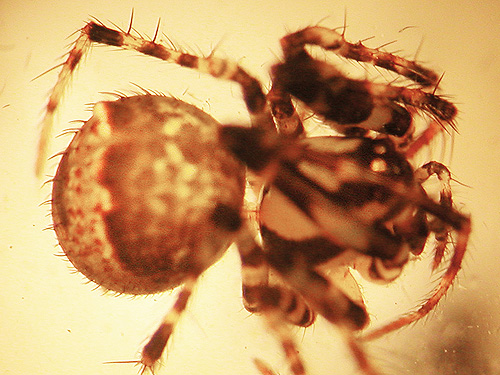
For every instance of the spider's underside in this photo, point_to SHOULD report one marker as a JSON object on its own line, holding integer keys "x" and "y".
{"x": 149, "y": 193}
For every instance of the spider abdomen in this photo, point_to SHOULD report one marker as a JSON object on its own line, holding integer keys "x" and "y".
{"x": 136, "y": 192}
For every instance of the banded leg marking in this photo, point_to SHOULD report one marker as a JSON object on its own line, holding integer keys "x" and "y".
{"x": 153, "y": 350}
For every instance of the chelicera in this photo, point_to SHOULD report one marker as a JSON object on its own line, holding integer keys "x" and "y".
{"x": 149, "y": 193}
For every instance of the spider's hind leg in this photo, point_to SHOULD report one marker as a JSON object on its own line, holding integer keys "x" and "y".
{"x": 153, "y": 350}
{"x": 94, "y": 32}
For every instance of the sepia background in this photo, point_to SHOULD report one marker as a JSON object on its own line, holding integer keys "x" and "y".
{"x": 52, "y": 322}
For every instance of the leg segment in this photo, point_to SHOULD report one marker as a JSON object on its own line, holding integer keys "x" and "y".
{"x": 153, "y": 350}
{"x": 284, "y": 113}
{"x": 331, "y": 40}
{"x": 329, "y": 301}
{"x": 326, "y": 298}
{"x": 255, "y": 275}
{"x": 267, "y": 300}
{"x": 80, "y": 49}
{"x": 437, "y": 226}
{"x": 216, "y": 67}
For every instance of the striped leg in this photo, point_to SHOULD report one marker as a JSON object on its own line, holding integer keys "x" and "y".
{"x": 258, "y": 295}
{"x": 335, "y": 42}
{"x": 254, "y": 273}
{"x": 94, "y": 32}
{"x": 356, "y": 103}
{"x": 267, "y": 300}
{"x": 153, "y": 350}
{"x": 333, "y": 304}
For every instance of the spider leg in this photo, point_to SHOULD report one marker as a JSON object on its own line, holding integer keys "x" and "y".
{"x": 286, "y": 117}
{"x": 438, "y": 226}
{"x": 93, "y": 32}
{"x": 211, "y": 65}
{"x": 328, "y": 300}
{"x": 153, "y": 350}
{"x": 441, "y": 226}
{"x": 269, "y": 301}
{"x": 331, "y": 40}
{"x": 254, "y": 273}
{"x": 79, "y": 50}
{"x": 356, "y": 103}
{"x": 255, "y": 277}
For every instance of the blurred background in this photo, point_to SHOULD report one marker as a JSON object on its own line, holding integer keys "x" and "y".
{"x": 53, "y": 322}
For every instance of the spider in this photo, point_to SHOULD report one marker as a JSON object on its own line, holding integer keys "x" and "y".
{"x": 149, "y": 193}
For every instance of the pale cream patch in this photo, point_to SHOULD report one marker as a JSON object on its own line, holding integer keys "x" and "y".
{"x": 321, "y": 175}
{"x": 281, "y": 216}
{"x": 378, "y": 165}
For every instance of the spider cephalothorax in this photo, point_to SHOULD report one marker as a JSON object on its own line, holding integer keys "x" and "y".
{"x": 149, "y": 193}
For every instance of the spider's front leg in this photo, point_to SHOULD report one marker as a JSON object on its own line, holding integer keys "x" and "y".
{"x": 349, "y": 103}
{"x": 441, "y": 226}
{"x": 331, "y": 40}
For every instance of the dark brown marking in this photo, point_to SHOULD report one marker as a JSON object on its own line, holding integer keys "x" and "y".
{"x": 74, "y": 58}
{"x": 154, "y": 348}
{"x": 101, "y": 34}
{"x": 255, "y": 99}
{"x": 226, "y": 217}
{"x": 189, "y": 61}
{"x": 155, "y": 50}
